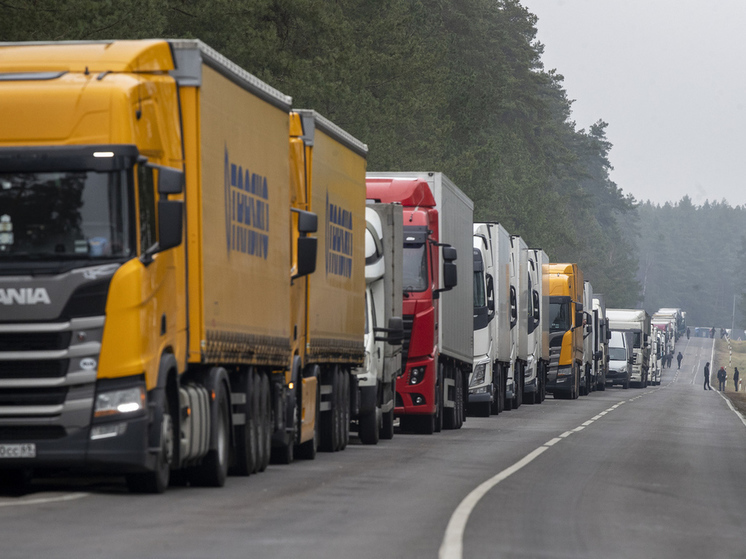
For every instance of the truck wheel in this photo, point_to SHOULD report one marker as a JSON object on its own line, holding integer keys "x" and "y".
{"x": 494, "y": 406}
{"x": 307, "y": 450}
{"x": 368, "y": 429}
{"x": 330, "y": 420}
{"x": 345, "y": 411}
{"x": 424, "y": 424}
{"x": 517, "y": 392}
{"x": 214, "y": 467}
{"x": 439, "y": 395}
{"x": 387, "y": 421}
{"x": 157, "y": 480}
{"x": 245, "y": 453}
{"x": 264, "y": 423}
{"x": 626, "y": 384}
{"x": 459, "y": 401}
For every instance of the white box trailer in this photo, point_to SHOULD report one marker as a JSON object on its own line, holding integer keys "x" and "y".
{"x": 492, "y": 338}
{"x": 537, "y": 363}
{"x": 601, "y": 336}
{"x": 519, "y": 320}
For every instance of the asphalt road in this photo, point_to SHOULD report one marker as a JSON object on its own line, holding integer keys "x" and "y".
{"x": 656, "y": 472}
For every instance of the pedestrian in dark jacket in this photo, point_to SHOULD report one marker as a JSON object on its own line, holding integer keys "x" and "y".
{"x": 722, "y": 375}
{"x": 679, "y": 357}
{"x": 707, "y": 377}
{"x": 670, "y": 359}
{"x": 735, "y": 379}
{"x": 688, "y": 332}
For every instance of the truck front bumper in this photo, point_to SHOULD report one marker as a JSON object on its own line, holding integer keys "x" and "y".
{"x": 121, "y": 448}
{"x": 560, "y": 379}
{"x": 416, "y": 398}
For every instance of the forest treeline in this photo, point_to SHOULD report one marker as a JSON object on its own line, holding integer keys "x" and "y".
{"x": 438, "y": 85}
{"x": 694, "y": 257}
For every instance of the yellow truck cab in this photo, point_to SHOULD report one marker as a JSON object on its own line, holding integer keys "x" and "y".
{"x": 565, "y": 330}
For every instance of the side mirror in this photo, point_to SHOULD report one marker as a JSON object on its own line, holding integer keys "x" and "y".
{"x": 449, "y": 254}
{"x": 170, "y": 223}
{"x": 513, "y": 307}
{"x": 537, "y": 306}
{"x": 491, "y": 305}
{"x": 307, "y": 221}
{"x": 170, "y": 180}
{"x": 450, "y": 275}
{"x": 395, "y": 331}
{"x": 307, "y": 247}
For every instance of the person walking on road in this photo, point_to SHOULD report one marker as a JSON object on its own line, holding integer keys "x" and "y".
{"x": 688, "y": 333}
{"x": 670, "y": 359}
{"x": 722, "y": 375}
{"x": 679, "y": 357}
{"x": 707, "y": 377}
{"x": 735, "y": 379}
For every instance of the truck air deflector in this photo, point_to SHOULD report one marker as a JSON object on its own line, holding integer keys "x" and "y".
{"x": 188, "y": 56}
{"x": 100, "y": 158}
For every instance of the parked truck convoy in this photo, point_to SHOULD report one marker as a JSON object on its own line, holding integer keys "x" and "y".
{"x": 637, "y": 323}
{"x": 171, "y": 318}
{"x": 198, "y": 278}
{"x": 438, "y": 299}
{"x": 565, "y": 330}
{"x": 492, "y": 319}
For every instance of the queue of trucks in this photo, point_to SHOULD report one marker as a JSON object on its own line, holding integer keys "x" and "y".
{"x": 198, "y": 279}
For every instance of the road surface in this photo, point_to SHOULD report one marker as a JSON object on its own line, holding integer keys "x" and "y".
{"x": 655, "y": 472}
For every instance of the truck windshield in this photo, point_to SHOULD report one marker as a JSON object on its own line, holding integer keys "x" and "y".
{"x": 559, "y": 313}
{"x": 415, "y": 267}
{"x": 65, "y": 215}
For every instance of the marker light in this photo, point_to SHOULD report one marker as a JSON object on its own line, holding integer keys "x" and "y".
{"x": 103, "y": 154}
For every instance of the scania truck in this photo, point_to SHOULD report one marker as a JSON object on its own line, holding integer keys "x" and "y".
{"x": 438, "y": 298}
{"x": 565, "y": 330}
{"x": 173, "y": 237}
{"x": 492, "y": 319}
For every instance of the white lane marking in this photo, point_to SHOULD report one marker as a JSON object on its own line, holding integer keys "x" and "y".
{"x": 453, "y": 544}
{"x": 22, "y": 502}
{"x": 589, "y": 422}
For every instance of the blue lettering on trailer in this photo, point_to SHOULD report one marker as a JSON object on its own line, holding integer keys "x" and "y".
{"x": 338, "y": 240}
{"x": 246, "y": 210}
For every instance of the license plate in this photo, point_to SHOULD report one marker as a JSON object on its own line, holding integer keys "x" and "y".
{"x": 25, "y": 450}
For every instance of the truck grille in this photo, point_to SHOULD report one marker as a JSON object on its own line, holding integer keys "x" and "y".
{"x": 33, "y": 369}
{"x": 408, "y": 321}
{"x": 48, "y": 374}
{"x": 34, "y": 341}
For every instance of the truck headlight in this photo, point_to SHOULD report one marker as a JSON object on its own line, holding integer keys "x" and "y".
{"x": 477, "y": 376}
{"x": 118, "y": 402}
{"x": 416, "y": 375}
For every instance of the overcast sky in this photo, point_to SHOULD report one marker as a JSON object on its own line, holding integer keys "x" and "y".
{"x": 669, "y": 76}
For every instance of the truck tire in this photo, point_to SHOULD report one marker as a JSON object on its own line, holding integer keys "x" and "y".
{"x": 439, "y": 399}
{"x": 214, "y": 467}
{"x": 157, "y": 480}
{"x": 246, "y": 448}
{"x": 331, "y": 423}
{"x": 459, "y": 401}
{"x": 264, "y": 407}
{"x": 307, "y": 450}
{"x": 368, "y": 428}
{"x": 387, "y": 421}
{"x": 518, "y": 391}
{"x": 345, "y": 411}
{"x": 495, "y": 405}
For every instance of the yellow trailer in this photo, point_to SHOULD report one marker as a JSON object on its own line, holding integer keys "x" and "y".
{"x": 154, "y": 240}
